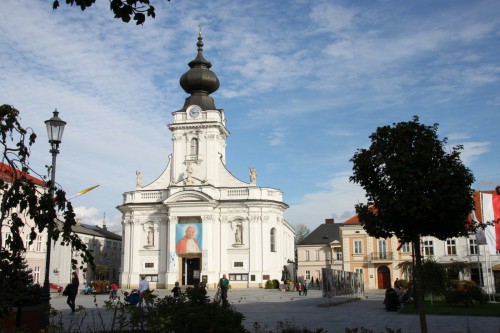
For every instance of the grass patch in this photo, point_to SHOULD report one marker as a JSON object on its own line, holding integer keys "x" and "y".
{"x": 442, "y": 308}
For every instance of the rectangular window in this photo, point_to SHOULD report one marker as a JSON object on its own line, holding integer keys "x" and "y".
{"x": 307, "y": 255}
{"x": 38, "y": 243}
{"x": 339, "y": 255}
{"x": 149, "y": 265}
{"x": 358, "y": 247}
{"x": 308, "y": 275}
{"x": 317, "y": 255}
{"x": 428, "y": 248}
{"x": 36, "y": 275}
{"x": 328, "y": 255}
{"x": 273, "y": 240}
{"x": 382, "y": 249}
{"x": 359, "y": 271}
{"x": 451, "y": 247}
{"x": 238, "y": 264}
{"x": 406, "y": 248}
{"x": 472, "y": 246}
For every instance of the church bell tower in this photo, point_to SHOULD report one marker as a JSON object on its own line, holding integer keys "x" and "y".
{"x": 198, "y": 128}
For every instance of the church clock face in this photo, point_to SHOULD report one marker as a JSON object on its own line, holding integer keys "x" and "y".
{"x": 194, "y": 111}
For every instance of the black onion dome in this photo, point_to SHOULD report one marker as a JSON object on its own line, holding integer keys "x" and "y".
{"x": 199, "y": 81}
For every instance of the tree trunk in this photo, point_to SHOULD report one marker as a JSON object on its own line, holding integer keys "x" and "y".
{"x": 420, "y": 288}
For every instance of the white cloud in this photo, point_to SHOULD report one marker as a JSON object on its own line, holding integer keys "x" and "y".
{"x": 277, "y": 137}
{"x": 473, "y": 150}
{"x": 337, "y": 200}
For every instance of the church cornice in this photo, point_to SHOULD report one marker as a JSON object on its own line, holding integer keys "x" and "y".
{"x": 200, "y": 125}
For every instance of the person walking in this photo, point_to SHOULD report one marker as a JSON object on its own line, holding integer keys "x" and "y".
{"x": 73, "y": 291}
{"x": 317, "y": 283}
{"x": 143, "y": 291}
{"x": 299, "y": 288}
{"x": 304, "y": 288}
{"x": 224, "y": 286}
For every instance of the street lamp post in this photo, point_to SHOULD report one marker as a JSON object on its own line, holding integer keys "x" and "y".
{"x": 55, "y": 128}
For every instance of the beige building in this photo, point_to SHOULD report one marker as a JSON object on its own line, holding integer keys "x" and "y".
{"x": 347, "y": 246}
{"x": 322, "y": 248}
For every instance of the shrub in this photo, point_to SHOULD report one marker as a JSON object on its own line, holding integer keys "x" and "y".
{"x": 192, "y": 312}
{"x": 269, "y": 284}
{"x": 276, "y": 284}
{"x": 466, "y": 292}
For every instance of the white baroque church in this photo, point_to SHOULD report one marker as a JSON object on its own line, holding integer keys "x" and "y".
{"x": 196, "y": 221}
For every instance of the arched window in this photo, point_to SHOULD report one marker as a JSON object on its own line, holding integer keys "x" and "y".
{"x": 273, "y": 240}
{"x": 194, "y": 147}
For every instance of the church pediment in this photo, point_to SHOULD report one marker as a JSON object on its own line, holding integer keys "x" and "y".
{"x": 189, "y": 196}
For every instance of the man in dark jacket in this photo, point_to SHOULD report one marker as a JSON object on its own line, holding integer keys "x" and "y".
{"x": 73, "y": 290}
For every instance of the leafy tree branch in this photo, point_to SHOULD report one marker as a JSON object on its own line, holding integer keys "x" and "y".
{"x": 125, "y": 10}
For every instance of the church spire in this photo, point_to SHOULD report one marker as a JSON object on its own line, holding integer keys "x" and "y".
{"x": 199, "y": 80}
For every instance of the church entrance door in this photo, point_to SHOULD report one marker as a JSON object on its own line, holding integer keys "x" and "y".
{"x": 190, "y": 271}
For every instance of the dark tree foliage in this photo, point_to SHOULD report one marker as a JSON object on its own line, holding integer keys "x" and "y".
{"x": 123, "y": 9}
{"x": 415, "y": 187}
{"x": 25, "y": 204}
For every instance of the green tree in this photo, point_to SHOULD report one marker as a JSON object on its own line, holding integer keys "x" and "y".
{"x": 415, "y": 187}
{"x": 123, "y": 9}
{"x": 23, "y": 201}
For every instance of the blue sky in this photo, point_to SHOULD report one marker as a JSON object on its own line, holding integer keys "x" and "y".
{"x": 303, "y": 85}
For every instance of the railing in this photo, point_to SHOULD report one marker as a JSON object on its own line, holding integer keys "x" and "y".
{"x": 247, "y": 193}
{"x": 237, "y": 192}
{"x": 380, "y": 256}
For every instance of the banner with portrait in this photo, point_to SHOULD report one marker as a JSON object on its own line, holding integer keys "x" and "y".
{"x": 188, "y": 238}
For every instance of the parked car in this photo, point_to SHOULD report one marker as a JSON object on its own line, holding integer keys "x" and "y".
{"x": 55, "y": 288}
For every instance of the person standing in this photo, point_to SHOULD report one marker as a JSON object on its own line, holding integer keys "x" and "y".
{"x": 73, "y": 291}
{"x": 224, "y": 286}
{"x": 397, "y": 285}
{"x": 299, "y": 288}
{"x": 143, "y": 290}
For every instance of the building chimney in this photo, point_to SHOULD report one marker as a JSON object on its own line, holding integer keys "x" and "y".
{"x": 329, "y": 221}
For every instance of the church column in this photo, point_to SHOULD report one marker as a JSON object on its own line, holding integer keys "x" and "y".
{"x": 173, "y": 259}
{"x": 127, "y": 254}
{"x": 163, "y": 260}
{"x": 135, "y": 263}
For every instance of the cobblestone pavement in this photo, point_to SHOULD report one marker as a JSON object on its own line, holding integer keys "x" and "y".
{"x": 268, "y": 307}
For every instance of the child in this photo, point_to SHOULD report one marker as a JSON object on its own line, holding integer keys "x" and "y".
{"x": 176, "y": 290}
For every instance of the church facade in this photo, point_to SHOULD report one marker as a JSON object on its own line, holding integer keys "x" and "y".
{"x": 196, "y": 221}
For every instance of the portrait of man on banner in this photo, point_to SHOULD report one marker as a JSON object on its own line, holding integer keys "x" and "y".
{"x": 188, "y": 238}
